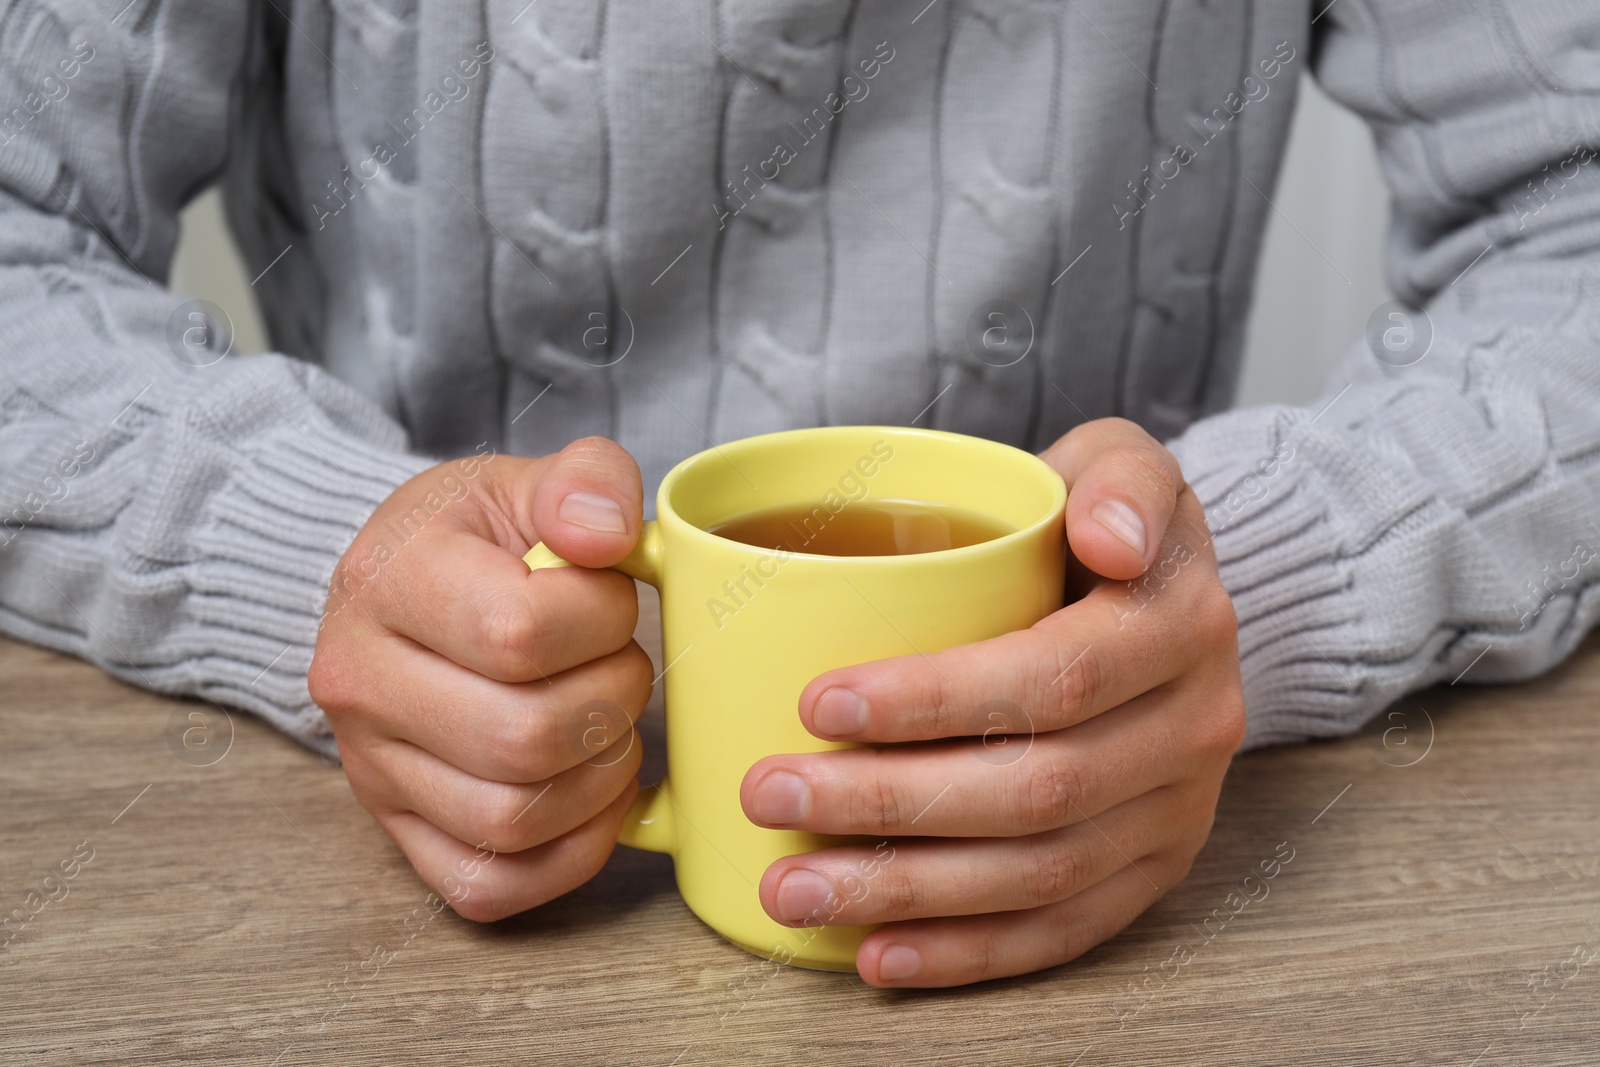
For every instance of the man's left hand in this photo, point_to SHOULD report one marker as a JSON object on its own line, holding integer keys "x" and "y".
{"x": 1039, "y": 790}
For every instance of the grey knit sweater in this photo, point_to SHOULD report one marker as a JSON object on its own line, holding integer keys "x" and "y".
{"x": 495, "y": 223}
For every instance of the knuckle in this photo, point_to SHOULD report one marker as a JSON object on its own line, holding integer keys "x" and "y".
{"x": 1089, "y": 431}
{"x": 1077, "y": 931}
{"x": 1179, "y": 869}
{"x": 903, "y": 898}
{"x": 1111, "y": 433}
{"x": 1217, "y": 616}
{"x": 641, "y": 680}
{"x": 514, "y": 632}
{"x": 1125, "y": 426}
{"x": 524, "y": 743}
{"x": 1147, "y": 467}
{"x": 876, "y": 807}
{"x": 1052, "y": 797}
{"x": 984, "y": 958}
{"x": 1053, "y": 872}
{"x": 1199, "y": 833}
{"x": 367, "y": 784}
{"x": 581, "y": 858}
{"x": 933, "y": 698}
{"x": 602, "y": 736}
{"x": 498, "y": 820}
{"x": 1229, "y": 724}
{"x": 330, "y": 681}
{"x": 1223, "y": 723}
{"x": 1072, "y": 683}
{"x": 591, "y": 858}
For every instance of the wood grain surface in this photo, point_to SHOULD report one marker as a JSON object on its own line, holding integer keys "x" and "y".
{"x": 1440, "y": 904}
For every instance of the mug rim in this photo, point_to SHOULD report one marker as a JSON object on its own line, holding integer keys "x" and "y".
{"x": 667, "y": 515}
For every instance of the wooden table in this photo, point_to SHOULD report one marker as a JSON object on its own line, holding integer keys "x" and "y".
{"x": 1441, "y": 906}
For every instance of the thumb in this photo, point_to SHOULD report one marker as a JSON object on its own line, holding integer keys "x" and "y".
{"x": 588, "y": 502}
{"x": 1122, "y": 487}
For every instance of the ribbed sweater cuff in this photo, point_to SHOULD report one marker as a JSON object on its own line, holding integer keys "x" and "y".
{"x": 265, "y": 555}
{"x": 1290, "y": 513}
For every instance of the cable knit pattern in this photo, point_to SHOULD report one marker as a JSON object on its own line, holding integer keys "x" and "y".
{"x": 552, "y": 287}
{"x": 677, "y": 222}
{"x": 1425, "y": 519}
{"x": 992, "y": 233}
{"x": 773, "y": 250}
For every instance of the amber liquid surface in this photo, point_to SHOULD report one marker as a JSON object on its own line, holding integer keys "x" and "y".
{"x": 860, "y": 528}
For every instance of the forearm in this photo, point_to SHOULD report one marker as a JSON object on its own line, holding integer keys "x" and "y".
{"x": 1420, "y": 520}
{"x": 169, "y": 511}
{"x": 175, "y": 524}
{"x": 1436, "y": 514}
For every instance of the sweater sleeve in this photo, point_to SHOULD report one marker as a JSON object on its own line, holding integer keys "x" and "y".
{"x": 1435, "y": 516}
{"x": 168, "y": 510}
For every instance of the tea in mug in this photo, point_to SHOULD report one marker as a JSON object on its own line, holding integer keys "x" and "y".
{"x": 880, "y": 528}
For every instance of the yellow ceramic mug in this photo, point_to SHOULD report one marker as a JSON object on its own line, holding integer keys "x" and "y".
{"x": 744, "y": 629}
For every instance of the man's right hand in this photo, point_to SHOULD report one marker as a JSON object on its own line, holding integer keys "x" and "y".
{"x": 479, "y": 707}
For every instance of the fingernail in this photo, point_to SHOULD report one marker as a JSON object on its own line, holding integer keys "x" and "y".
{"x": 801, "y": 894}
{"x": 1123, "y": 521}
{"x": 898, "y": 963}
{"x": 840, "y": 712}
{"x": 593, "y": 512}
{"x": 782, "y": 798}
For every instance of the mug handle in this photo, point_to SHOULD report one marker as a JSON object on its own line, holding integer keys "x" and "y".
{"x": 649, "y": 824}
